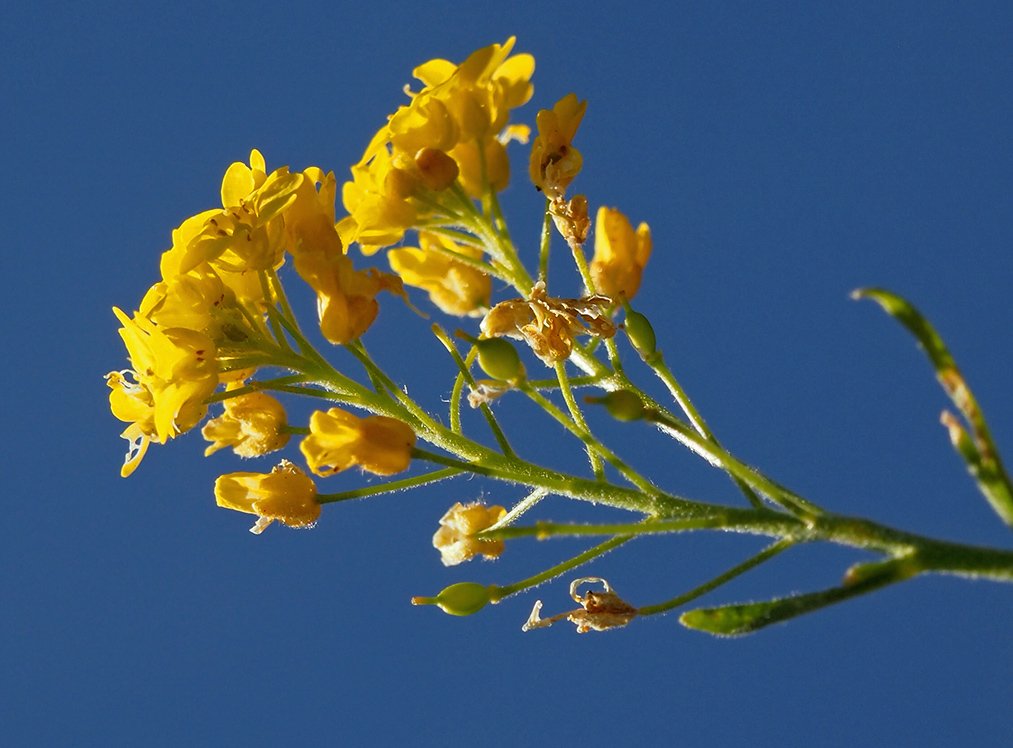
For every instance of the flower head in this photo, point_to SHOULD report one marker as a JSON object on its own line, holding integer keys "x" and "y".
{"x": 455, "y": 539}
{"x": 620, "y": 254}
{"x": 339, "y": 439}
{"x": 285, "y": 494}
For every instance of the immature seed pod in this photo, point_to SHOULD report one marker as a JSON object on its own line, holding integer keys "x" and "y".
{"x": 499, "y": 359}
{"x": 622, "y": 405}
{"x": 641, "y": 334}
{"x": 461, "y": 599}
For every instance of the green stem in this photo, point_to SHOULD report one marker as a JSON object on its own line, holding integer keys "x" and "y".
{"x": 389, "y": 486}
{"x": 515, "y": 470}
{"x": 716, "y": 455}
{"x": 578, "y": 420}
{"x": 923, "y": 555}
{"x": 591, "y": 443}
{"x": 767, "y": 553}
{"x": 464, "y": 375}
{"x": 499, "y": 593}
{"x": 657, "y": 364}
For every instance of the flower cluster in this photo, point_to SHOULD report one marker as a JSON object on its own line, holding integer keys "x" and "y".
{"x": 448, "y": 142}
{"x": 218, "y": 320}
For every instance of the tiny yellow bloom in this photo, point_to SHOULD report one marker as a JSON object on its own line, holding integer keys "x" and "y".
{"x": 252, "y": 424}
{"x": 547, "y": 324}
{"x": 339, "y": 439}
{"x": 453, "y": 286}
{"x": 285, "y": 494}
{"x": 554, "y": 161}
{"x": 620, "y": 254}
{"x": 455, "y": 539}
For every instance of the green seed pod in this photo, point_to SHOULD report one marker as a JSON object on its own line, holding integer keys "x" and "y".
{"x": 461, "y": 599}
{"x": 499, "y": 359}
{"x": 622, "y": 405}
{"x": 641, "y": 334}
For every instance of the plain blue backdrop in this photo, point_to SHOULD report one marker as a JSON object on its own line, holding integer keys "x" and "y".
{"x": 783, "y": 153}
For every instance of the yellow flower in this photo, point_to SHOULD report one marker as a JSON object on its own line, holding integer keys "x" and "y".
{"x": 164, "y": 394}
{"x": 554, "y": 161}
{"x": 285, "y": 494}
{"x": 377, "y": 202}
{"x": 252, "y": 424}
{"x": 458, "y": 115}
{"x": 192, "y": 301}
{"x": 247, "y": 233}
{"x": 453, "y": 286}
{"x": 549, "y": 325}
{"x": 477, "y": 175}
{"x": 620, "y": 254}
{"x": 481, "y": 91}
{"x": 455, "y": 539}
{"x": 339, "y": 439}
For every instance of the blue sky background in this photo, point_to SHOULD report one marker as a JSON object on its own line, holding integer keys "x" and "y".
{"x": 783, "y": 154}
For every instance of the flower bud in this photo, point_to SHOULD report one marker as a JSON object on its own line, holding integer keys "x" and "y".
{"x": 499, "y": 359}
{"x": 461, "y": 599}
{"x": 641, "y": 334}
{"x": 622, "y": 405}
{"x": 400, "y": 184}
{"x": 437, "y": 170}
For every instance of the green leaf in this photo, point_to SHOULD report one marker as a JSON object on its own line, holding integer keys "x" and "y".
{"x": 745, "y": 618}
{"x": 976, "y": 448}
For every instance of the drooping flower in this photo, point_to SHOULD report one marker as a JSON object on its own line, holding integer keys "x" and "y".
{"x": 620, "y": 254}
{"x": 285, "y": 494}
{"x": 455, "y": 539}
{"x": 339, "y": 439}
{"x": 547, "y": 324}
{"x": 173, "y": 372}
{"x": 454, "y": 286}
{"x": 252, "y": 424}
{"x": 554, "y": 161}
